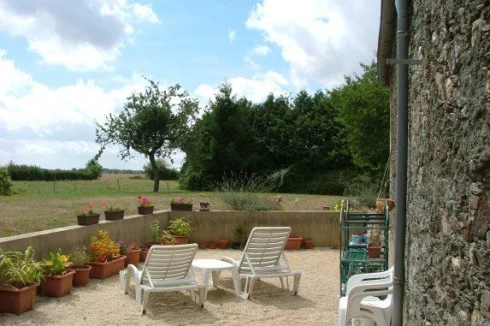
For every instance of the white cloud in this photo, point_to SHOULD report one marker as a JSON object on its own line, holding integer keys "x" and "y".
{"x": 261, "y": 50}
{"x": 255, "y": 89}
{"x": 322, "y": 40}
{"x": 81, "y": 35}
{"x": 54, "y": 127}
{"x": 252, "y": 63}
{"x": 231, "y": 35}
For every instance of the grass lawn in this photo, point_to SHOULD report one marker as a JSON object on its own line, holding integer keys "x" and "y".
{"x": 41, "y": 205}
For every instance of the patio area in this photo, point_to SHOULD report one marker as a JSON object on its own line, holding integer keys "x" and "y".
{"x": 102, "y": 302}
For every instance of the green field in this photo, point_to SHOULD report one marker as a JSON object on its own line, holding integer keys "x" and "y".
{"x": 41, "y": 205}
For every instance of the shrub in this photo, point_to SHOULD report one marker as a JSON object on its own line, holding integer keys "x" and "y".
{"x": 5, "y": 183}
{"x": 56, "y": 263}
{"x": 180, "y": 226}
{"x": 79, "y": 257}
{"x": 19, "y": 269}
{"x": 103, "y": 247}
{"x": 164, "y": 172}
{"x": 365, "y": 191}
{"x": 240, "y": 191}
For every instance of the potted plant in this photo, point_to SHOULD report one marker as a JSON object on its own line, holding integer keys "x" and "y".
{"x": 180, "y": 229}
{"x": 211, "y": 244}
{"x": 131, "y": 251}
{"x": 381, "y": 203}
{"x": 202, "y": 244}
{"x": 238, "y": 236}
{"x": 203, "y": 206}
{"x": 20, "y": 275}
{"x": 181, "y": 204}
{"x": 223, "y": 243}
{"x": 106, "y": 260}
{"x": 145, "y": 207}
{"x": 308, "y": 242}
{"x": 167, "y": 238}
{"x": 57, "y": 279}
{"x": 88, "y": 216}
{"x": 374, "y": 244}
{"x": 79, "y": 263}
{"x": 293, "y": 243}
{"x": 112, "y": 212}
{"x": 155, "y": 238}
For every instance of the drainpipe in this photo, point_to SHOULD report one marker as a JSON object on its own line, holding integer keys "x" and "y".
{"x": 401, "y": 160}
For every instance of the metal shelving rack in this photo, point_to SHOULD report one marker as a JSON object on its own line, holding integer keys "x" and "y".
{"x": 353, "y": 255}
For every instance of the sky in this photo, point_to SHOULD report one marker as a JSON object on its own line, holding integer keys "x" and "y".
{"x": 65, "y": 64}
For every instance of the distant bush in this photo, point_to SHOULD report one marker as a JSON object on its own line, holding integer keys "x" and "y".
{"x": 165, "y": 173}
{"x": 363, "y": 189}
{"x": 5, "y": 183}
{"x": 240, "y": 191}
{"x": 23, "y": 172}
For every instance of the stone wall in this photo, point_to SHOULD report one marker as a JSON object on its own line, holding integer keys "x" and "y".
{"x": 448, "y": 237}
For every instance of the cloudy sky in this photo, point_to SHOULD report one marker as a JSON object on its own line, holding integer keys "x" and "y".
{"x": 67, "y": 63}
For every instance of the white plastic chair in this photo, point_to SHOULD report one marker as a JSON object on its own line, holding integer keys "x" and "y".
{"x": 263, "y": 257}
{"x": 167, "y": 268}
{"x": 362, "y": 299}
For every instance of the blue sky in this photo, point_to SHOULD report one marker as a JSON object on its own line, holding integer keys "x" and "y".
{"x": 67, "y": 63}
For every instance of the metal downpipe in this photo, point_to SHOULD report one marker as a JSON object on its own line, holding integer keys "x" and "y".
{"x": 401, "y": 160}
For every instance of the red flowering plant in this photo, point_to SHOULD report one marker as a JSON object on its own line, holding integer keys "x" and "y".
{"x": 103, "y": 247}
{"x": 144, "y": 202}
{"x": 126, "y": 248}
{"x": 88, "y": 210}
{"x": 111, "y": 206}
{"x": 181, "y": 200}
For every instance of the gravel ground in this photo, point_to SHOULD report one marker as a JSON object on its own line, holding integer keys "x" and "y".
{"x": 102, "y": 302}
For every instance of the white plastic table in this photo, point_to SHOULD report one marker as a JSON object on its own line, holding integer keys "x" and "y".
{"x": 216, "y": 266}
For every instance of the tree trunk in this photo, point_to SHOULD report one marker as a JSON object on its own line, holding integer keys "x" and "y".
{"x": 156, "y": 173}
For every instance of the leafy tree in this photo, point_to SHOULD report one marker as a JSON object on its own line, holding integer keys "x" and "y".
{"x": 164, "y": 171}
{"x": 153, "y": 123}
{"x": 364, "y": 112}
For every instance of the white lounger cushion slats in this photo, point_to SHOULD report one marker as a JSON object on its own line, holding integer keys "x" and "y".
{"x": 263, "y": 257}
{"x": 167, "y": 268}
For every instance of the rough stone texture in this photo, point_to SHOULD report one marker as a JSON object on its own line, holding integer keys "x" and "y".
{"x": 448, "y": 216}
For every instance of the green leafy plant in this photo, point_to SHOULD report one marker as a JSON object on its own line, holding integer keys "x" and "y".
{"x": 167, "y": 238}
{"x": 79, "y": 257}
{"x": 180, "y": 226}
{"x": 19, "y": 269}
{"x": 239, "y": 233}
{"x": 5, "y": 182}
{"x": 56, "y": 263}
{"x": 155, "y": 230}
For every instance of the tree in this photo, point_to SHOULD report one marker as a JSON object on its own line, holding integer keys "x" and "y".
{"x": 153, "y": 123}
{"x": 364, "y": 112}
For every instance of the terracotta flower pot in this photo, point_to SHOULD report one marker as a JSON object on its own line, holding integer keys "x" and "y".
{"x": 142, "y": 210}
{"x": 380, "y": 204}
{"x": 57, "y": 285}
{"x": 81, "y": 275}
{"x": 132, "y": 257}
{"x": 373, "y": 252}
{"x": 151, "y": 243}
{"x": 182, "y": 239}
{"x": 114, "y": 215}
{"x": 181, "y": 207}
{"x": 143, "y": 254}
{"x": 211, "y": 245}
{"x": 202, "y": 244}
{"x": 308, "y": 244}
{"x": 17, "y": 301}
{"x": 88, "y": 219}
{"x": 223, "y": 244}
{"x": 105, "y": 270}
{"x": 293, "y": 243}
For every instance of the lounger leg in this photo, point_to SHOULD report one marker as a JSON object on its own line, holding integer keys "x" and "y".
{"x": 137, "y": 292}
{"x": 297, "y": 278}
{"x": 251, "y": 288}
{"x": 282, "y": 282}
{"x": 146, "y": 294}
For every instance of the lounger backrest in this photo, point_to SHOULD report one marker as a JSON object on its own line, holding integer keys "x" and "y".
{"x": 264, "y": 248}
{"x": 168, "y": 262}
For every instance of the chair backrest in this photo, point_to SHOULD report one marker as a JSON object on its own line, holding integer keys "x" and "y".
{"x": 264, "y": 248}
{"x": 168, "y": 262}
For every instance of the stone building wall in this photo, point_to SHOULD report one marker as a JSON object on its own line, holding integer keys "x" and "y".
{"x": 448, "y": 216}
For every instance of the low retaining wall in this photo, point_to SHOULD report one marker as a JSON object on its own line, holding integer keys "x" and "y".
{"x": 322, "y": 227}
